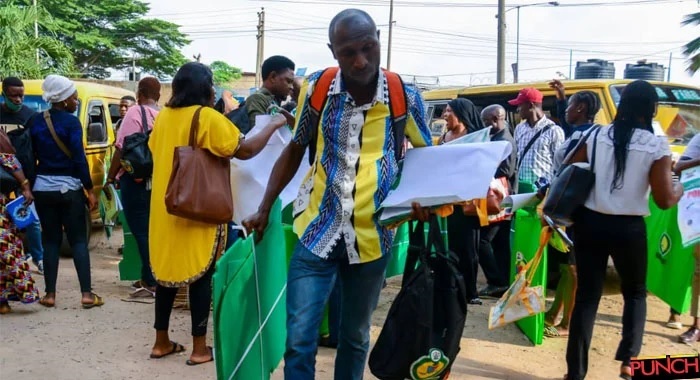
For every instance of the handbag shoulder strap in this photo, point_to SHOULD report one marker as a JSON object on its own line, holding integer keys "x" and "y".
{"x": 144, "y": 120}
{"x": 595, "y": 145}
{"x": 194, "y": 127}
{"x": 58, "y": 141}
{"x": 531, "y": 143}
{"x": 582, "y": 140}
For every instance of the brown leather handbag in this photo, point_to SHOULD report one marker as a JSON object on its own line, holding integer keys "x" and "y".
{"x": 200, "y": 183}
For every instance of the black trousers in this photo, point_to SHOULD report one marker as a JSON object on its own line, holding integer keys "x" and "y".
{"x": 463, "y": 238}
{"x": 494, "y": 253}
{"x": 200, "y": 304}
{"x": 596, "y": 237}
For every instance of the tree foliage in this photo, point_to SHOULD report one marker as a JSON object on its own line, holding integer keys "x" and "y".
{"x": 692, "y": 48}
{"x": 19, "y": 47}
{"x": 108, "y": 34}
{"x": 224, "y": 73}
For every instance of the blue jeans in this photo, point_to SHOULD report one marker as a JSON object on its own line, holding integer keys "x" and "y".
{"x": 309, "y": 285}
{"x": 137, "y": 212}
{"x": 34, "y": 246}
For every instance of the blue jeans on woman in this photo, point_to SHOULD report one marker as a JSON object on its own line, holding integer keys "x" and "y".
{"x": 34, "y": 247}
{"x": 136, "y": 200}
{"x": 310, "y": 282}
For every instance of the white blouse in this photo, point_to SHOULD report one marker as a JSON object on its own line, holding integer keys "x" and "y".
{"x": 633, "y": 197}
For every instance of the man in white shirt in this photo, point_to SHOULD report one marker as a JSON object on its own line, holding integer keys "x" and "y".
{"x": 537, "y": 138}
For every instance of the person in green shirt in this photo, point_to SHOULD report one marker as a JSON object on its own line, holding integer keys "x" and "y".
{"x": 278, "y": 82}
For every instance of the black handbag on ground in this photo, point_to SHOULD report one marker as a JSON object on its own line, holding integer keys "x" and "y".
{"x": 571, "y": 186}
{"x": 421, "y": 335}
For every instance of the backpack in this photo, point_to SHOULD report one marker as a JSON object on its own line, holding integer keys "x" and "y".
{"x": 397, "y": 106}
{"x": 137, "y": 159}
{"x": 239, "y": 117}
{"x": 21, "y": 140}
{"x": 421, "y": 335}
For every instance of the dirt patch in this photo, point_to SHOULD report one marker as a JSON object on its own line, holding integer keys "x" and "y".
{"x": 113, "y": 342}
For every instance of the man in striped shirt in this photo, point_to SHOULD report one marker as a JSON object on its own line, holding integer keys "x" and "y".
{"x": 537, "y": 138}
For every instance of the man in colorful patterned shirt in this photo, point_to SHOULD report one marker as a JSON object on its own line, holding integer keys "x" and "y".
{"x": 353, "y": 170}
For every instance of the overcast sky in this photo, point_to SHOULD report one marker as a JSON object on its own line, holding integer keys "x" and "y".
{"x": 444, "y": 42}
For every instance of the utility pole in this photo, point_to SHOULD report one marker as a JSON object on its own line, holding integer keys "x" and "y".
{"x": 133, "y": 71}
{"x": 501, "y": 54}
{"x": 36, "y": 28}
{"x": 670, "y": 59}
{"x": 571, "y": 62}
{"x": 391, "y": 29}
{"x": 517, "y": 48}
{"x": 261, "y": 47}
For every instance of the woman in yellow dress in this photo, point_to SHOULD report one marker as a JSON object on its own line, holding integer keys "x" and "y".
{"x": 183, "y": 251}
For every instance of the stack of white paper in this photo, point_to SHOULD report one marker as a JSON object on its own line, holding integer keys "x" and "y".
{"x": 444, "y": 174}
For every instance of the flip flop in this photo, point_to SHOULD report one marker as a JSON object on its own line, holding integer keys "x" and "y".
{"x": 191, "y": 363}
{"x": 96, "y": 301}
{"x": 553, "y": 332}
{"x": 44, "y": 303}
{"x": 177, "y": 348}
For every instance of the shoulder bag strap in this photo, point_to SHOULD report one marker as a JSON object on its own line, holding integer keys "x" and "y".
{"x": 58, "y": 141}
{"x": 531, "y": 143}
{"x": 144, "y": 120}
{"x": 398, "y": 107}
{"x": 194, "y": 127}
{"x": 595, "y": 145}
{"x": 317, "y": 102}
{"x": 582, "y": 140}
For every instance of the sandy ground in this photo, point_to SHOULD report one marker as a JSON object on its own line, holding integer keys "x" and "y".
{"x": 113, "y": 342}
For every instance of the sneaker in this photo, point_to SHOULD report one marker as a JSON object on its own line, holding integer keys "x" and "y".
{"x": 476, "y": 301}
{"x": 40, "y": 267}
{"x": 690, "y": 336}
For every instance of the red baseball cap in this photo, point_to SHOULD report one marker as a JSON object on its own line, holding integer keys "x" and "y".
{"x": 528, "y": 94}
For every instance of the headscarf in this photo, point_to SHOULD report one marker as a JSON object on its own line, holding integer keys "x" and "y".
{"x": 467, "y": 114}
{"x": 57, "y": 88}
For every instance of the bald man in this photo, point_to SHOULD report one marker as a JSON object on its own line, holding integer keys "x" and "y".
{"x": 494, "y": 246}
{"x": 340, "y": 240}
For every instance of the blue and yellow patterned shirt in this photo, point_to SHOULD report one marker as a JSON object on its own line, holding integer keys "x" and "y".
{"x": 353, "y": 170}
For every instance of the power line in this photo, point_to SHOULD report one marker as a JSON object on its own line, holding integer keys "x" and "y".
{"x": 409, "y": 4}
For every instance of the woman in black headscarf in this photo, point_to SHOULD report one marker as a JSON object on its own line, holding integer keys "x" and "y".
{"x": 462, "y": 118}
{"x": 463, "y": 228}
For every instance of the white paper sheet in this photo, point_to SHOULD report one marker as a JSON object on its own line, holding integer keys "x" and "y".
{"x": 249, "y": 178}
{"x": 447, "y": 173}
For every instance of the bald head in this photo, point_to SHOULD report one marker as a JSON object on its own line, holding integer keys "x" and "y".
{"x": 353, "y": 19}
{"x": 494, "y": 116}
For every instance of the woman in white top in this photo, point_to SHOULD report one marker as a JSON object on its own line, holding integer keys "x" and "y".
{"x": 629, "y": 160}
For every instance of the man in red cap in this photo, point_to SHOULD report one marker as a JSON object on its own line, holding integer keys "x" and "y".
{"x": 537, "y": 138}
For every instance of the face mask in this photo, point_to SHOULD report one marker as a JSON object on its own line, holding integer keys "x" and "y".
{"x": 12, "y": 106}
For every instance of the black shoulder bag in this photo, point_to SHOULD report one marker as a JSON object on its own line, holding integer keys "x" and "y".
{"x": 572, "y": 186}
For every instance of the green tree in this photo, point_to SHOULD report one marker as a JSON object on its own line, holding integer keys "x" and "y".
{"x": 19, "y": 48}
{"x": 224, "y": 73}
{"x": 692, "y": 48}
{"x": 108, "y": 34}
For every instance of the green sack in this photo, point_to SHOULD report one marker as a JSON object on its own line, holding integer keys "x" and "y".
{"x": 130, "y": 264}
{"x": 670, "y": 266}
{"x": 525, "y": 241}
{"x": 249, "y": 288}
{"x": 398, "y": 252}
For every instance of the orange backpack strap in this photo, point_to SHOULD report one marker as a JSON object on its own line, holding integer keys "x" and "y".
{"x": 317, "y": 102}
{"x": 398, "y": 107}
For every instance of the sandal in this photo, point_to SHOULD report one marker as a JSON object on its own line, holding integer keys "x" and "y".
{"x": 96, "y": 301}
{"x": 44, "y": 302}
{"x": 191, "y": 363}
{"x": 5, "y": 308}
{"x": 553, "y": 332}
{"x": 177, "y": 348}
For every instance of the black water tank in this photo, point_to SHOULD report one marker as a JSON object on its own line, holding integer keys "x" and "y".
{"x": 595, "y": 69}
{"x": 644, "y": 70}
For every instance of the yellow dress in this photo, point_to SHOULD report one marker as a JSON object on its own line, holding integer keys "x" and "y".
{"x": 181, "y": 250}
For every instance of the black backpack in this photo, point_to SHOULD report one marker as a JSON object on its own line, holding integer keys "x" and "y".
{"x": 21, "y": 140}
{"x": 239, "y": 117}
{"x": 421, "y": 335}
{"x": 137, "y": 159}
